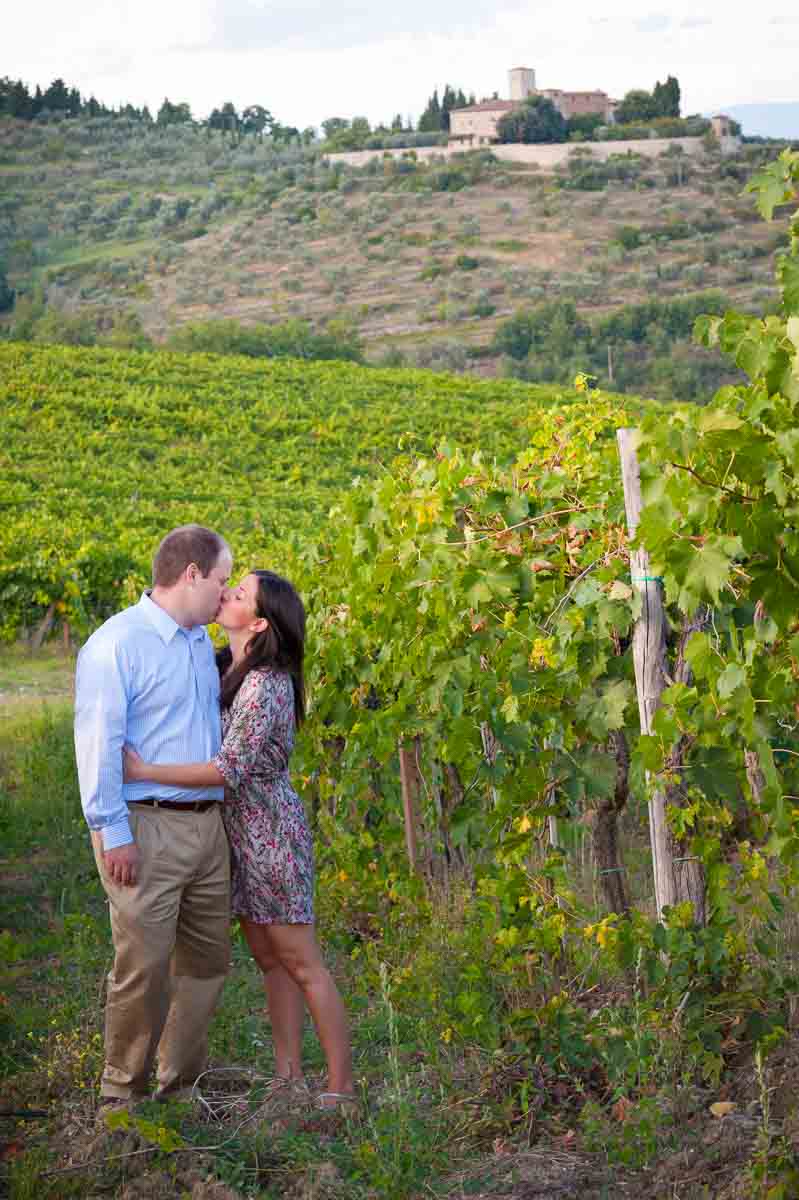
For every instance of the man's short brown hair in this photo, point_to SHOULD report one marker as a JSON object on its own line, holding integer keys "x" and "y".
{"x": 184, "y": 545}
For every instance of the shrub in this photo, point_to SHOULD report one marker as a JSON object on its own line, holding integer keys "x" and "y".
{"x": 291, "y": 339}
{"x": 536, "y": 120}
{"x": 470, "y": 227}
{"x": 661, "y": 127}
{"x": 443, "y": 356}
{"x": 533, "y": 329}
{"x": 632, "y": 322}
{"x": 7, "y": 293}
{"x": 583, "y": 173}
{"x": 629, "y": 237}
{"x": 584, "y": 125}
{"x": 483, "y": 305}
{"x": 433, "y": 268}
{"x": 97, "y": 326}
{"x": 392, "y": 357}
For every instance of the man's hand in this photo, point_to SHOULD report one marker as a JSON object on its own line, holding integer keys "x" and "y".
{"x": 133, "y": 765}
{"x": 122, "y": 864}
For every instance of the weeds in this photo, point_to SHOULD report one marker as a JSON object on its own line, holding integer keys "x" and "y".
{"x": 463, "y": 1040}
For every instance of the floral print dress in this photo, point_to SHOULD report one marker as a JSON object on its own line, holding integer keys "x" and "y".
{"x": 270, "y": 841}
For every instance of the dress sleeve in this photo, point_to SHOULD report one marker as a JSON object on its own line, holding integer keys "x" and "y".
{"x": 258, "y": 741}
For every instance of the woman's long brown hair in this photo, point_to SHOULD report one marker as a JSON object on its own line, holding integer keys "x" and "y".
{"x": 280, "y": 645}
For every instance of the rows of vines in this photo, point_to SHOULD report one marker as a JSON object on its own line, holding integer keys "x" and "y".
{"x": 102, "y": 450}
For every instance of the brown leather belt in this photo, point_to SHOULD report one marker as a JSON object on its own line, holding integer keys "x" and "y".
{"x": 177, "y": 805}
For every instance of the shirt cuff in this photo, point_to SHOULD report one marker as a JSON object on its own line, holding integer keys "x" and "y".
{"x": 117, "y": 834}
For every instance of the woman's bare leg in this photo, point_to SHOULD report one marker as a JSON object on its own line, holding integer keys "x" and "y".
{"x": 285, "y": 1003}
{"x": 287, "y": 1014}
{"x": 295, "y": 948}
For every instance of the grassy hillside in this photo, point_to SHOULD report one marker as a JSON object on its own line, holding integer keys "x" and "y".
{"x": 103, "y": 450}
{"x": 148, "y": 230}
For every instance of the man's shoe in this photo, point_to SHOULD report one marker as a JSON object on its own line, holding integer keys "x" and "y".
{"x": 184, "y": 1093}
{"x": 114, "y": 1104}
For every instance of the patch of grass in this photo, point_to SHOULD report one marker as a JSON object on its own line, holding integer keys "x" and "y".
{"x": 55, "y": 949}
{"x": 28, "y": 676}
{"x": 450, "y": 1107}
{"x": 71, "y": 263}
{"x": 510, "y": 246}
{"x": 38, "y": 785}
{"x": 414, "y": 238}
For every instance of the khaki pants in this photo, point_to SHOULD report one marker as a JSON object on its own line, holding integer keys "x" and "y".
{"x": 171, "y": 936}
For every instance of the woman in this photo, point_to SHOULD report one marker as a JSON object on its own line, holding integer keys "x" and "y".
{"x": 263, "y": 701}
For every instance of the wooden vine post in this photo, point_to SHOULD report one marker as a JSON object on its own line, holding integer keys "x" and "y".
{"x": 409, "y": 782}
{"x": 679, "y": 874}
{"x": 649, "y": 658}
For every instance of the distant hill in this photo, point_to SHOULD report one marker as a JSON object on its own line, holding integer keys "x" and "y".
{"x": 114, "y": 233}
{"x": 766, "y": 120}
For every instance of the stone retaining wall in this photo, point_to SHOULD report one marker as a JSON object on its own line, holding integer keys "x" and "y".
{"x": 544, "y": 155}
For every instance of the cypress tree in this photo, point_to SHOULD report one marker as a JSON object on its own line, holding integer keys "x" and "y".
{"x": 430, "y": 120}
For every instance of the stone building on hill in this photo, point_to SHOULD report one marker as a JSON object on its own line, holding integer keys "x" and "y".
{"x": 477, "y": 124}
{"x": 724, "y": 126}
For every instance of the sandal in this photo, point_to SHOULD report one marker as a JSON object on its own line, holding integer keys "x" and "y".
{"x": 281, "y": 1092}
{"x": 339, "y": 1100}
{"x": 279, "y": 1083}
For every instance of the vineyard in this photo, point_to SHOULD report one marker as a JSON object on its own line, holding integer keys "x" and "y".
{"x": 103, "y": 450}
{"x": 553, "y": 746}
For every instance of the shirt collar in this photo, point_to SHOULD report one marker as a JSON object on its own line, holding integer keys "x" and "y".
{"x": 166, "y": 626}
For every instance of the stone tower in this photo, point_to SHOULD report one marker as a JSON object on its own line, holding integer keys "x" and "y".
{"x": 521, "y": 81}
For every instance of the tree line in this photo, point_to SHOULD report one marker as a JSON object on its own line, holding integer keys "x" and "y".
{"x": 536, "y": 120}
{"x": 17, "y": 100}
{"x": 643, "y": 347}
{"x": 640, "y": 105}
{"x": 435, "y": 118}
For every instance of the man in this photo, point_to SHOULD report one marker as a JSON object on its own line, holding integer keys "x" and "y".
{"x": 148, "y": 677}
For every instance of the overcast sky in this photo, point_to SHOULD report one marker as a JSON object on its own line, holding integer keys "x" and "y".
{"x": 306, "y": 60}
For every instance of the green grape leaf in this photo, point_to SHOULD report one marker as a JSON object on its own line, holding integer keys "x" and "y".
{"x": 730, "y": 679}
{"x": 792, "y": 331}
{"x": 714, "y": 420}
{"x": 708, "y": 572}
{"x": 699, "y": 653}
{"x": 788, "y": 275}
{"x": 773, "y": 186}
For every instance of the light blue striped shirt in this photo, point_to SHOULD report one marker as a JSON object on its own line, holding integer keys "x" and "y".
{"x": 144, "y": 680}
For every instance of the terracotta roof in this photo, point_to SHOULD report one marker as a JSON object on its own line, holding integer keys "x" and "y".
{"x": 490, "y": 106}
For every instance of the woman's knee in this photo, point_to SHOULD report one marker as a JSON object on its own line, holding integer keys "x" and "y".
{"x": 265, "y": 959}
{"x": 294, "y": 948}
{"x": 258, "y": 940}
{"x": 306, "y": 971}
